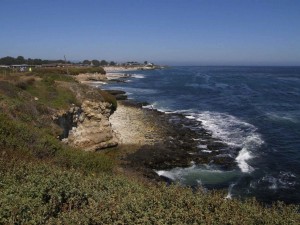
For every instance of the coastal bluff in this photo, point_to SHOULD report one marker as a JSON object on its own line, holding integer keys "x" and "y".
{"x": 87, "y": 126}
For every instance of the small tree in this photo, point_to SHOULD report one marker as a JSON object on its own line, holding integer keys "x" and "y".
{"x": 146, "y": 62}
{"x": 103, "y": 63}
{"x": 112, "y": 63}
{"x": 86, "y": 62}
{"x": 20, "y": 60}
{"x": 7, "y": 60}
{"x": 37, "y": 62}
{"x": 96, "y": 62}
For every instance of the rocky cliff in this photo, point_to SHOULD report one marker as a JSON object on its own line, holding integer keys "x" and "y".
{"x": 91, "y": 77}
{"x": 87, "y": 127}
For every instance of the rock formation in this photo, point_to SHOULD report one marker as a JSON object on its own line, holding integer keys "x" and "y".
{"x": 87, "y": 127}
{"x": 91, "y": 77}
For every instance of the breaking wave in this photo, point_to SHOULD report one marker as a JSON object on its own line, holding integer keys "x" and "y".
{"x": 234, "y": 132}
{"x": 197, "y": 175}
{"x": 138, "y": 76}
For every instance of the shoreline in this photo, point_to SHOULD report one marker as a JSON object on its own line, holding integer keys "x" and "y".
{"x": 162, "y": 141}
{"x": 116, "y": 69}
{"x": 162, "y": 160}
{"x": 131, "y": 68}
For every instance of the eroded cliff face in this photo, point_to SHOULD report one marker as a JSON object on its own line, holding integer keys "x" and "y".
{"x": 88, "y": 127}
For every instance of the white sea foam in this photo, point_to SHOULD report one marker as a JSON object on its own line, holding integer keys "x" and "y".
{"x": 283, "y": 116}
{"x": 207, "y": 151}
{"x": 148, "y": 106}
{"x": 155, "y": 106}
{"x": 229, "y": 129}
{"x": 202, "y": 146}
{"x": 167, "y": 174}
{"x": 97, "y": 82}
{"x": 136, "y": 91}
{"x": 138, "y": 76}
{"x": 190, "y": 117}
{"x": 184, "y": 111}
{"x": 283, "y": 180}
{"x": 242, "y": 158}
{"x": 200, "y": 174}
{"x": 234, "y": 132}
{"x": 229, "y": 194}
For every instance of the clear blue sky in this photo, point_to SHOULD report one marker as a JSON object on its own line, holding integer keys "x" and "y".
{"x": 182, "y": 32}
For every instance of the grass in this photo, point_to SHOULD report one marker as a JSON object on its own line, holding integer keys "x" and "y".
{"x": 71, "y": 70}
{"x": 49, "y": 93}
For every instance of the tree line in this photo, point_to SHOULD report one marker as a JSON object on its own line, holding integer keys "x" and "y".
{"x": 8, "y": 60}
{"x": 96, "y": 62}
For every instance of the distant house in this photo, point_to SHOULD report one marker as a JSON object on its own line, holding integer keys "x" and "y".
{"x": 21, "y": 68}
{"x": 56, "y": 65}
{"x": 132, "y": 64}
{"x": 50, "y": 65}
{"x": 149, "y": 65}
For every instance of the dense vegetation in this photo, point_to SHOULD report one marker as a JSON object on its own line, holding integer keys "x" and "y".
{"x": 71, "y": 70}
{"x": 8, "y": 60}
{"x": 96, "y": 62}
{"x": 39, "y": 193}
{"x": 43, "y": 181}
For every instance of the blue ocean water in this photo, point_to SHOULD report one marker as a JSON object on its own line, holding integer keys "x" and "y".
{"x": 254, "y": 108}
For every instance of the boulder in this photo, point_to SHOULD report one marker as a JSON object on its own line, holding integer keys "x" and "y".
{"x": 87, "y": 127}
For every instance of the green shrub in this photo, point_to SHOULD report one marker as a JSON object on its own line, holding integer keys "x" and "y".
{"x": 71, "y": 70}
{"x": 52, "y": 77}
{"x": 9, "y": 90}
{"x": 25, "y": 83}
{"x": 32, "y": 193}
{"x": 109, "y": 98}
{"x": 85, "y": 161}
{"x": 18, "y": 136}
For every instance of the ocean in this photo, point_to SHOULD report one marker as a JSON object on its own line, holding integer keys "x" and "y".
{"x": 254, "y": 108}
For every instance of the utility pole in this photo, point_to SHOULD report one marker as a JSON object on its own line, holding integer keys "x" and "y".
{"x": 66, "y": 65}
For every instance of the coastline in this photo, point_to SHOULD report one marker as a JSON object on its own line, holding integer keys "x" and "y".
{"x": 115, "y": 184}
{"x": 114, "y": 69}
{"x": 151, "y": 140}
{"x": 111, "y": 69}
{"x": 169, "y": 155}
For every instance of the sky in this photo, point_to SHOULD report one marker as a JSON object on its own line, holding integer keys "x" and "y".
{"x": 174, "y": 32}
